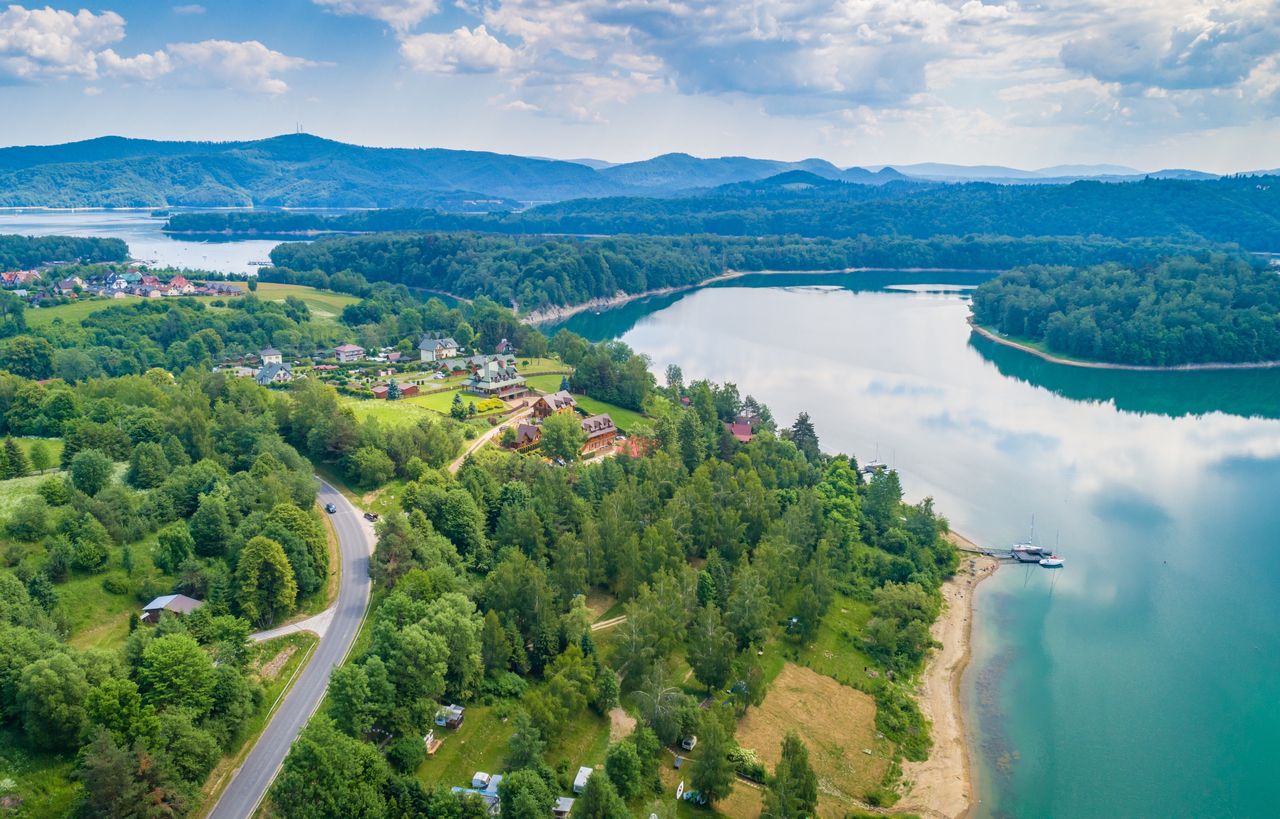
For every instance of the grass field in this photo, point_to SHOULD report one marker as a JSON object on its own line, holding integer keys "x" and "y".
{"x": 834, "y": 651}
{"x": 98, "y": 618}
{"x": 545, "y": 383}
{"x": 836, "y": 723}
{"x": 625, "y": 419}
{"x": 481, "y": 744}
{"x": 53, "y": 445}
{"x": 15, "y": 492}
{"x": 386, "y": 412}
{"x": 73, "y": 313}
{"x": 324, "y": 304}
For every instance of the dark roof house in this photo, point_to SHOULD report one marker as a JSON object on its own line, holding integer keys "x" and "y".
{"x": 173, "y": 603}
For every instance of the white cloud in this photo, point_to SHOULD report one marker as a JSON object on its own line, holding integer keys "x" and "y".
{"x": 247, "y": 66}
{"x": 401, "y": 15}
{"x": 38, "y": 44}
{"x": 464, "y": 51}
{"x": 142, "y": 67}
{"x": 190, "y": 8}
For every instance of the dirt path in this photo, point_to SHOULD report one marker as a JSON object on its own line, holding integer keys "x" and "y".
{"x": 486, "y": 437}
{"x": 610, "y": 623}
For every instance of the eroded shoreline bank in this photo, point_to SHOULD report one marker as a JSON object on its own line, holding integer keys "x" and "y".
{"x": 943, "y": 786}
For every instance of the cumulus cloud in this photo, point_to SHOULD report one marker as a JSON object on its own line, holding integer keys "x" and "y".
{"x": 38, "y": 44}
{"x": 47, "y": 44}
{"x": 401, "y": 15}
{"x": 1208, "y": 47}
{"x": 463, "y": 51}
{"x": 247, "y": 66}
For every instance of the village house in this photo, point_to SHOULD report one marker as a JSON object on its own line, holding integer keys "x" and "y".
{"x": 527, "y": 435}
{"x": 741, "y": 432}
{"x": 505, "y": 348}
{"x": 553, "y": 403}
{"x": 274, "y": 374}
{"x": 495, "y": 380}
{"x": 406, "y": 390}
{"x": 17, "y": 278}
{"x": 271, "y": 355}
{"x": 601, "y": 432}
{"x": 437, "y": 349}
{"x": 181, "y": 285}
{"x": 178, "y": 604}
{"x": 68, "y": 286}
{"x": 348, "y": 353}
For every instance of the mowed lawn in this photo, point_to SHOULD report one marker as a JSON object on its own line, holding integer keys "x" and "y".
{"x": 386, "y": 412}
{"x": 624, "y": 419}
{"x": 481, "y": 743}
{"x": 837, "y": 724}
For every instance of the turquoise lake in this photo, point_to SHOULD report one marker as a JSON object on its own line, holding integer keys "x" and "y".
{"x": 1142, "y": 680}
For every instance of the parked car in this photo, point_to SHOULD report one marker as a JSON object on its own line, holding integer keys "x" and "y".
{"x": 330, "y": 508}
{"x": 371, "y": 516}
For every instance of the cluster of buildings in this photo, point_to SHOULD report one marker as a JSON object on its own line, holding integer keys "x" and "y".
{"x": 600, "y": 429}
{"x": 116, "y": 284}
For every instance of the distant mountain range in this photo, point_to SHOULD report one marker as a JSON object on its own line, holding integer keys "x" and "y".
{"x": 305, "y": 171}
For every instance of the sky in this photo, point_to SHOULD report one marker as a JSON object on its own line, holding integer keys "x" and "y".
{"x": 1145, "y": 83}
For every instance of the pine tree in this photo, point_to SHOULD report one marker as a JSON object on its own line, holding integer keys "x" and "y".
{"x": 713, "y": 775}
{"x": 393, "y": 390}
{"x": 18, "y": 466}
{"x": 793, "y": 793}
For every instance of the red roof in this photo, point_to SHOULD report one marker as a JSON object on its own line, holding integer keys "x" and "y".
{"x": 741, "y": 431}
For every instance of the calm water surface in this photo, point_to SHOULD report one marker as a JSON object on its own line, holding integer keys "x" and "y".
{"x": 1142, "y": 680}
{"x": 142, "y": 233}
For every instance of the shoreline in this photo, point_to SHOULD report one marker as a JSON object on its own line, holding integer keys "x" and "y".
{"x": 943, "y": 786}
{"x": 1107, "y": 365}
{"x": 560, "y": 313}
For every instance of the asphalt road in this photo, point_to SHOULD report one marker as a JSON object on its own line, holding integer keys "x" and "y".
{"x": 250, "y": 781}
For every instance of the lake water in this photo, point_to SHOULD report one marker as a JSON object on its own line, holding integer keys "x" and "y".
{"x": 1144, "y": 678}
{"x": 142, "y": 232}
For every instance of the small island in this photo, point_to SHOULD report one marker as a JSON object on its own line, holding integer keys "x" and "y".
{"x": 1209, "y": 311}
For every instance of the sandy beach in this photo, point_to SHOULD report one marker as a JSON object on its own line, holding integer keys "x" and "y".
{"x": 942, "y": 785}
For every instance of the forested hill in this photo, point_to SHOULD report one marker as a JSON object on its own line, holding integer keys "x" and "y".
{"x": 300, "y": 170}
{"x": 32, "y": 251}
{"x": 1239, "y": 210}
{"x": 1212, "y": 309}
{"x": 537, "y": 272}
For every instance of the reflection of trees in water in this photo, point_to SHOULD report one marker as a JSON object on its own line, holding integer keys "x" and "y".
{"x": 1248, "y": 393}
{"x": 618, "y": 321}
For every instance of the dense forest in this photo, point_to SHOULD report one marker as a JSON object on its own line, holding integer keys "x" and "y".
{"x": 715, "y": 549}
{"x": 1237, "y": 210}
{"x": 179, "y": 479}
{"x": 537, "y": 272}
{"x": 1187, "y": 310}
{"x": 21, "y": 252}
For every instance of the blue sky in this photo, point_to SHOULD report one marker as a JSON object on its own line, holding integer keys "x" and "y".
{"x": 1147, "y": 83}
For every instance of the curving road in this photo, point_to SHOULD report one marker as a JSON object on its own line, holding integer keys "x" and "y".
{"x": 250, "y": 781}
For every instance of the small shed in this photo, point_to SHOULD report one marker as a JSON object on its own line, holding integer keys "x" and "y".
{"x": 563, "y": 807}
{"x": 449, "y": 716}
{"x": 174, "y": 603}
{"x": 580, "y": 781}
{"x": 480, "y": 780}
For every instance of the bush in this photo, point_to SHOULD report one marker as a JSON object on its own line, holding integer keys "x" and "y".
{"x": 406, "y": 754}
{"x": 55, "y": 491}
{"x": 747, "y": 763}
{"x": 503, "y": 685}
{"x": 114, "y": 585}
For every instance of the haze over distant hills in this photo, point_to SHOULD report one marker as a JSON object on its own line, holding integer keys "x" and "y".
{"x": 305, "y": 171}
